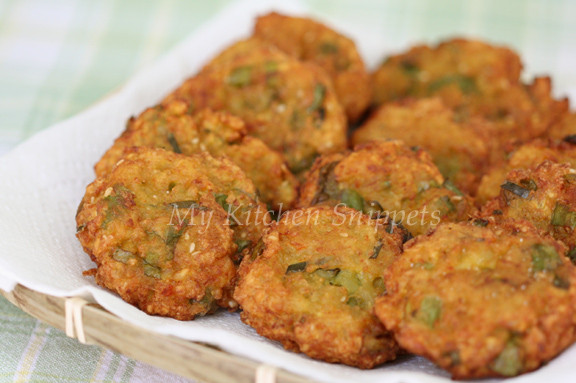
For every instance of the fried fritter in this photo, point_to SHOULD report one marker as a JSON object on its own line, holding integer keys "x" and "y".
{"x": 386, "y": 179}
{"x": 459, "y": 148}
{"x": 475, "y": 79}
{"x": 526, "y": 156}
{"x": 481, "y": 301}
{"x": 311, "y": 285}
{"x": 170, "y": 127}
{"x": 164, "y": 228}
{"x": 288, "y": 104}
{"x": 453, "y": 69}
{"x": 309, "y": 40}
{"x": 544, "y": 196}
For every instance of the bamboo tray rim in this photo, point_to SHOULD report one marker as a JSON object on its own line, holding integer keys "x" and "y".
{"x": 194, "y": 360}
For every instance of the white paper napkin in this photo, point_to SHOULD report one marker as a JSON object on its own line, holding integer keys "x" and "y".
{"x": 43, "y": 180}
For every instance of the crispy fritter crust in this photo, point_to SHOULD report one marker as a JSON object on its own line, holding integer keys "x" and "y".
{"x": 526, "y": 156}
{"x": 481, "y": 301}
{"x": 157, "y": 228}
{"x": 312, "y": 284}
{"x": 476, "y": 79}
{"x": 544, "y": 196}
{"x": 171, "y": 127}
{"x": 458, "y": 148}
{"x": 309, "y": 40}
{"x": 386, "y": 178}
{"x": 288, "y": 104}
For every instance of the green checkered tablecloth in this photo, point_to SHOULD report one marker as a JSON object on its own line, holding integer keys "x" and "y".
{"x": 57, "y": 57}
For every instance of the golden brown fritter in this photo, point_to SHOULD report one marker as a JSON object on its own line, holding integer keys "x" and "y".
{"x": 459, "y": 148}
{"x": 544, "y": 196}
{"x": 481, "y": 301}
{"x": 288, "y": 104}
{"x": 309, "y": 40}
{"x": 157, "y": 227}
{"x": 526, "y": 156}
{"x": 475, "y": 79}
{"x": 386, "y": 179}
{"x": 452, "y": 68}
{"x": 312, "y": 283}
{"x": 170, "y": 127}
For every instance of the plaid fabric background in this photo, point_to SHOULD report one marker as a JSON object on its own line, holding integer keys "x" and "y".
{"x": 57, "y": 57}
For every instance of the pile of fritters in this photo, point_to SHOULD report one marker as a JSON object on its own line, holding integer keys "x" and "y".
{"x": 428, "y": 207}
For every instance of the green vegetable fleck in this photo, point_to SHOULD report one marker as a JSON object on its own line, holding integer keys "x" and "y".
{"x": 353, "y": 199}
{"x": 545, "y": 257}
{"x": 242, "y": 244}
{"x": 450, "y": 186}
{"x": 528, "y": 183}
{"x": 207, "y": 300}
{"x": 409, "y": 68}
{"x": 319, "y": 94}
{"x": 373, "y": 209}
{"x": 480, "y": 222}
{"x": 221, "y": 199}
{"x": 328, "y": 48}
{"x": 258, "y": 250}
{"x": 516, "y": 189}
{"x": 270, "y": 67}
{"x": 296, "y": 267}
{"x": 347, "y": 279}
{"x": 327, "y": 184}
{"x": 152, "y": 259}
{"x": 172, "y": 238}
{"x": 152, "y": 271}
{"x": 240, "y": 76}
{"x": 379, "y": 285}
{"x": 303, "y": 164}
{"x": 355, "y": 302}
{"x": 508, "y": 362}
{"x": 563, "y": 216}
{"x": 376, "y": 249}
{"x": 122, "y": 255}
{"x": 466, "y": 84}
{"x": 448, "y": 203}
{"x": 561, "y": 283}
{"x": 328, "y": 274}
{"x": 174, "y": 143}
{"x": 430, "y": 310}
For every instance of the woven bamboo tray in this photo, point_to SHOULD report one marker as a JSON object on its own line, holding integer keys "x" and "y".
{"x": 188, "y": 359}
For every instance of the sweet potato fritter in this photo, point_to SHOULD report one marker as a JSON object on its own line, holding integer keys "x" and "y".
{"x": 526, "y": 156}
{"x": 481, "y": 301}
{"x": 170, "y": 127}
{"x": 544, "y": 196}
{"x": 288, "y": 104}
{"x": 158, "y": 226}
{"x": 311, "y": 285}
{"x": 309, "y": 40}
{"x": 475, "y": 79}
{"x": 459, "y": 148}
{"x": 386, "y": 179}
